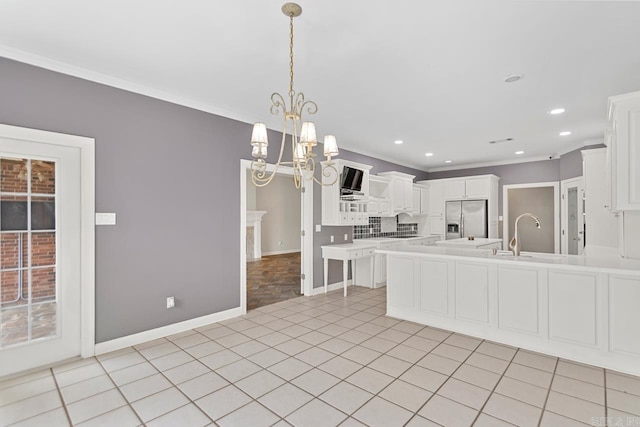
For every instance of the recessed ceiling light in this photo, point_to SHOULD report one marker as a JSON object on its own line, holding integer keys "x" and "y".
{"x": 428, "y": 154}
{"x": 512, "y": 78}
{"x": 398, "y": 141}
{"x": 565, "y": 133}
{"x": 448, "y": 161}
{"x": 520, "y": 152}
{"x": 556, "y": 111}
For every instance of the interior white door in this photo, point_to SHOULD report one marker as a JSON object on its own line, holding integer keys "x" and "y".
{"x": 572, "y": 218}
{"x": 40, "y": 254}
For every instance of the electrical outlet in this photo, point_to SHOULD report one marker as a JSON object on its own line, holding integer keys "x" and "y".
{"x": 171, "y": 302}
{"x": 332, "y": 239}
{"x": 318, "y": 228}
{"x": 346, "y": 237}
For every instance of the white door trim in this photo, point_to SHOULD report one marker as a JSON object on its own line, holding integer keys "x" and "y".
{"x": 556, "y": 211}
{"x": 564, "y": 221}
{"x": 87, "y": 218}
{"x": 307, "y": 226}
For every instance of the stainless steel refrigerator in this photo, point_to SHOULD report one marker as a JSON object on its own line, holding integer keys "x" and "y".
{"x": 466, "y": 218}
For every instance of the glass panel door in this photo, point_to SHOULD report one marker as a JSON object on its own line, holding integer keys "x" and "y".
{"x": 28, "y": 248}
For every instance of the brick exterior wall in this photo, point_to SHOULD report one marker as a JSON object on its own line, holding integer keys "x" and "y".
{"x": 13, "y": 179}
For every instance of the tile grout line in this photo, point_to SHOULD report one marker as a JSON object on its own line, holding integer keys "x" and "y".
{"x": 120, "y": 392}
{"x": 415, "y": 414}
{"x": 64, "y": 405}
{"x": 606, "y": 405}
{"x": 546, "y": 399}
{"x": 493, "y": 390}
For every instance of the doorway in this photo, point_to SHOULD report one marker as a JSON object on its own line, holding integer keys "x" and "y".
{"x": 44, "y": 208}
{"x": 572, "y": 216}
{"x": 297, "y": 264}
{"x": 540, "y": 199}
{"x": 273, "y": 242}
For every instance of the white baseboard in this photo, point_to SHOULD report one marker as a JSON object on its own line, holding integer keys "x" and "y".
{"x": 286, "y": 251}
{"x": 164, "y": 331}
{"x": 330, "y": 287}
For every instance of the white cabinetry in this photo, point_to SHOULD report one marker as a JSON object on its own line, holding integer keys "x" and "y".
{"x": 476, "y": 187}
{"x": 571, "y": 311}
{"x": 420, "y": 200}
{"x": 622, "y": 138}
{"x": 379, "y": 200}
{"x": 601, "y": 226}
{"x": 401, "y": 194}
{"x": 342, "y": 211}
{"x": 467, "y": 188}
{"x": 435, "y": 208}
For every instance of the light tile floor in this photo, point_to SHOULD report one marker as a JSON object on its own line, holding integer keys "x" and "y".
{"x": 321, "y": 361}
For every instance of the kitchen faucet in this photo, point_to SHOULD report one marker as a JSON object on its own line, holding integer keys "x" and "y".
{"x": 514, "y": 244}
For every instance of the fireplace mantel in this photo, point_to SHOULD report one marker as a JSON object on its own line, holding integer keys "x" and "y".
{"x": 254, "y": 220}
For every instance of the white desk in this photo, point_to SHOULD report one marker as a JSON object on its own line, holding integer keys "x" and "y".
{"x": 345, "y": 253}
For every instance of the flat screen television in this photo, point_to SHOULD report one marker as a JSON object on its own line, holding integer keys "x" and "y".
{"x": 351, "y": 180}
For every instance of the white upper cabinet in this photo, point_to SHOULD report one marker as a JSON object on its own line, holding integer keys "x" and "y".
{"x": 467, "y": 188}
{"x": 622, "y": 138}
{"x": 420, "y": 200}
{"x": 436, "y": 197}
{"x": 379, "y": 196}
{"x": 340, "y": 209}
{"x": 401, "y": 194}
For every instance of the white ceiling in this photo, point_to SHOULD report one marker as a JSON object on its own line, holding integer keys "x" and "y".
{"x": 427, "y": 72}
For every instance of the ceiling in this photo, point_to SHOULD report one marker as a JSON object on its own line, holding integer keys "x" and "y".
{"x": 430, "y": 73}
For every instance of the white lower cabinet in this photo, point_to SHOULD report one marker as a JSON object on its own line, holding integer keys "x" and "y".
{"x": 520, "y": 297}
{"x": 624, "y": 315}
{"x": 402, "y": 271}
{"x": 434, "y": 286}
{"x": 573, "y": 307}
{"x": 472, "y": 291}
{"x": 590, "y": 316}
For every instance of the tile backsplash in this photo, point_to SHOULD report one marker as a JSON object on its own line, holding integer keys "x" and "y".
{"x": 374, "y": 229}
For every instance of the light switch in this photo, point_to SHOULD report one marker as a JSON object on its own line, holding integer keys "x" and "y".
{"x": 105, "y": 218}
{"x": 318, "y": 228}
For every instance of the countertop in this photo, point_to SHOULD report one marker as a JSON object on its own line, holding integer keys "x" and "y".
{"x": 478, "y": 241}
{"x": 601, "y": 263}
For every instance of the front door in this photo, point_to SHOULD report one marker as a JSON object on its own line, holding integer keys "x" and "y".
{"x": 40, "y": 249}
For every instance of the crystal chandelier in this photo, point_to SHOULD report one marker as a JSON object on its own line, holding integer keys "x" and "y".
{"x": 302, "y": 134}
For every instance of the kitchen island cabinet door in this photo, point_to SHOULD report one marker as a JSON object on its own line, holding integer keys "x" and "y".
{"x": 434, "y": 286}
{"x": 473, "y": 291}
{"x": 402, "y": 289}
{"x": 573, "y": 307}
{"x": 522, "y": 294}
{"x": 624, "y": 315}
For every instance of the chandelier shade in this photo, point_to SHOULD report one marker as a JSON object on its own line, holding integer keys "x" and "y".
{"x": 330, "y": 146}
{"x": 259, "y": 135}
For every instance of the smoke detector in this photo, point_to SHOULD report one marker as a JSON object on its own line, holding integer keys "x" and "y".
{"x": 512, "y": 78}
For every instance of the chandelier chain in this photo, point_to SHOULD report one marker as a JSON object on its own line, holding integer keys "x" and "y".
{"x": 291, "y": 92}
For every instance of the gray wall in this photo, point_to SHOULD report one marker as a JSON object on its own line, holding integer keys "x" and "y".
{"x": 281, "y": 200}
{"x": 172, "y": 176}
{"x": 539, "y": 201}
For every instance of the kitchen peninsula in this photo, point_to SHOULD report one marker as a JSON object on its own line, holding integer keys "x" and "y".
{"x": 579, "y": 308}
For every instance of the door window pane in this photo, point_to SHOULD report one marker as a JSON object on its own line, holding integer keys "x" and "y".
{"x": 13, "y": 175}
{"x": 43, "y": 179}
{"x": 28, "y": 285}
